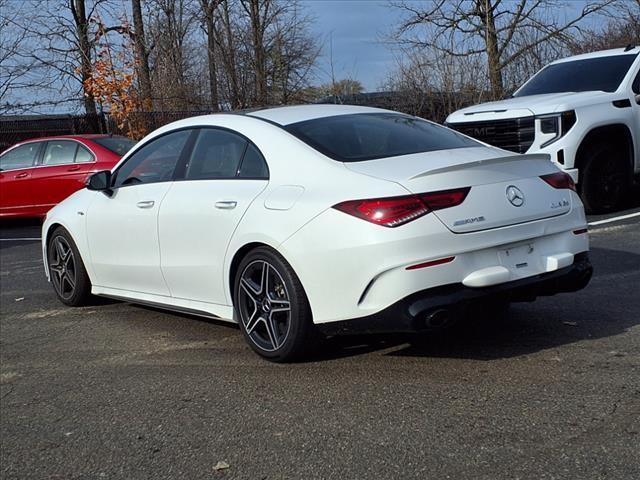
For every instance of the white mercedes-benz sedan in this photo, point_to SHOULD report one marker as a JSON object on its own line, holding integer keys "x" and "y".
{"x": 301, "y": 220}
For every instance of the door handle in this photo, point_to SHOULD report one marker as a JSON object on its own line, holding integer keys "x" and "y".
{"x": 74, "y": 168}
{"x": 145, "y": 204}
{"x": 22, "y": 175}
{"x": 226, "y": 205}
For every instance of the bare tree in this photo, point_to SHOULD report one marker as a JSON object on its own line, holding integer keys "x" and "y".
{"x": 622, "y": 29}
{"x": 260, "y": 14}
{"x": 492, "y": 29}
{"x": 173, "y": 25}
{"x": 209, "y": 15}
{"x": 12, "y": 67}
{"x": 59, "y": 39}
{"x": 142, "y": 56}
{"x": 292, "y": 55}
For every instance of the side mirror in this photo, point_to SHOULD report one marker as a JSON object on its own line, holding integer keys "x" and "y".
{"x": 100, "y": 182}
{"x": 638, "y": 98}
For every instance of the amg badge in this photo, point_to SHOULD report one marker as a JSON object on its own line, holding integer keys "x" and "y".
{"x": 467, "y": 221}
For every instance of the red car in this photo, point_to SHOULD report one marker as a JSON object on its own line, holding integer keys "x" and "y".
{"x": 37, "y": 174}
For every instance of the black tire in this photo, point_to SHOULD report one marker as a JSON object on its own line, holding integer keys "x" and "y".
{"x": 261, "y": 302}
{"x": 66, "y": 269}
{"x": 605, "y": 180}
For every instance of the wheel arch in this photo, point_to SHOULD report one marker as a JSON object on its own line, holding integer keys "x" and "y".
{"x": 617, "y": 134}
{"x": 235, "y": 263}
{"x": 45, "y": 243}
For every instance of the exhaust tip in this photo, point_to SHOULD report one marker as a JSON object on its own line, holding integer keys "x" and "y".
{"x": 435, "y": 320}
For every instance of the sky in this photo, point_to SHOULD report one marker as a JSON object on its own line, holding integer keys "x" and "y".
{"x": 352, "y": 30}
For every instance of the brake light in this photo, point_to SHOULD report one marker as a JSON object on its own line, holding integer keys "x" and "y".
{"x": 396, "y": 211}
{"x": 445, "y": 198}
{"x": 390, "y": 212}
{"x": 560, "y": 180}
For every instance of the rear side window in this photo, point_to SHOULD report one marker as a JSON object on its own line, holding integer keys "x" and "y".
{"x": 216, "y": 155}
{"x": 59, "y": 152}
{"x": 83, "y": 155}
{"x": 154, "y": 161}
{"x": 253, "y": 164}
{"x": 117, "y": 145}
{"x": 367, "y": 136}
{"x": 23, "y": 156}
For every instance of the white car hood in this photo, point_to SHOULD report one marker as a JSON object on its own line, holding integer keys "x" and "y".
{"x": 529, "y": 105}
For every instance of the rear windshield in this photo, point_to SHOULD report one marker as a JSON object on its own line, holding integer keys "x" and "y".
{"x": 367, "y": 136}
{"x": 118, "y": 145}
{"x": 592, "y": 74}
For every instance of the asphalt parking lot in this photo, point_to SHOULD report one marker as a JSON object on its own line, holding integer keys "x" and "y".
{"x": 122, "y": 391}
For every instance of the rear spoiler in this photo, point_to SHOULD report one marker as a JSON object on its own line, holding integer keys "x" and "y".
{"x": 543, "y": 157}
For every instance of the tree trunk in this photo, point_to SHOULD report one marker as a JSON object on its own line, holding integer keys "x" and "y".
{"x": 257, "y": 33}
{"x": 209, "y": 12}
{"x": 493, "y": 54}
{"x": 84, "y": 52}
{"x": 231, "y": 59}
{"x": 142, "y": 54}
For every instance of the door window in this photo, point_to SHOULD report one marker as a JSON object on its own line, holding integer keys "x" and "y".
{"x": 20, "y": 157}
{"x": 216, "y": 154}
{"x": 59, "y": 152}
{"x": 153, "y": 162}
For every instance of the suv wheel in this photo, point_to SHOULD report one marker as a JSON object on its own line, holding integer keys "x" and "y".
{"x": 605, "y": 180}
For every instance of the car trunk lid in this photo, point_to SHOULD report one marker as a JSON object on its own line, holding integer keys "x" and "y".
{"x": 506, "y": 189}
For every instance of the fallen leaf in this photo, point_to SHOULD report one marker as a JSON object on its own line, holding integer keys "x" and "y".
{"x": 221, "y": 466}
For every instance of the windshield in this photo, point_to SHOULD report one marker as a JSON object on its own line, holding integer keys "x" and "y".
{"x": 118, "y": 145}
{"x": 593, "y": 74}
{"x": 367, "y": 136}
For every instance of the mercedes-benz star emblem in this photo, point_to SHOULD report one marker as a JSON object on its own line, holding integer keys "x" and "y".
{"x": 515, "y": 196}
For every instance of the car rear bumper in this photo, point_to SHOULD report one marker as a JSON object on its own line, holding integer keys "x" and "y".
{"x": 410, "y": 313}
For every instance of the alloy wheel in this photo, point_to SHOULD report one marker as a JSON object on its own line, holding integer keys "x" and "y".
{"x": 62, "y": 266}
{"x": 264, "y": 305}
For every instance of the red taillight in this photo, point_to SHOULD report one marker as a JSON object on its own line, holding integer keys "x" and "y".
{"x": 396, "y": 211}
{"x": 390, "y": 212}
{"x": 560, "y": 180}
{"x": 445, "y": 198}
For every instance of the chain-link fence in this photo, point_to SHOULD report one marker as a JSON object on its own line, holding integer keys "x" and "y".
{"x": 18, "y": 128}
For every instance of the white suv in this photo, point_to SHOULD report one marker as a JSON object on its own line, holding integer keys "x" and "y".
{"x": 584, "y": 111}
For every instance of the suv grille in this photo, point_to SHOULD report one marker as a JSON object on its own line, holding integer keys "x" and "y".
{"x": 514, "y": 134}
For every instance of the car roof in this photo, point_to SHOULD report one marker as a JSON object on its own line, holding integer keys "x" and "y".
{"x": 83, "y": 136}
{"x": 300, "y": 113}
{"x": 602, "y": 53}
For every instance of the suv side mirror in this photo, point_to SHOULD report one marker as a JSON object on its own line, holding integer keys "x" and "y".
{"x": 638, "y": 98}
{"x": 100, "y": 182}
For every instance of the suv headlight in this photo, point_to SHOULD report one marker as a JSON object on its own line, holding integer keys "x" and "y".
{"x": 554, "y": 126}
